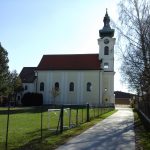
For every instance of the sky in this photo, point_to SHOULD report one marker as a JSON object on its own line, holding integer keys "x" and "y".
{"x": 31, "y": 28}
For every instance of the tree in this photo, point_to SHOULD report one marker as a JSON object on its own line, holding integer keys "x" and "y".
{"x": 15, "y": 84}
{"x": 134, "y": 32}
{"x": 55, "y": 92}
{"x": 4, "y": 72}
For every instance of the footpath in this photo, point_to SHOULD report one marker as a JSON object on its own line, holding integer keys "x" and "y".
{"x": 113, "y": 133}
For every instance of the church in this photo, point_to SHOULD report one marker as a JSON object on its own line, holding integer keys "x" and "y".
{"x": 76, "y": 78}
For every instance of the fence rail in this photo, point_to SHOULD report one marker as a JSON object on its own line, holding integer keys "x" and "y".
{"x": 144, "y": 106}
{"x": 20, "y": 125}
{"x": 144, "y": 110}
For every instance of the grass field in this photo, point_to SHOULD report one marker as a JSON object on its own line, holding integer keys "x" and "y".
{"x": 25, "y": 124}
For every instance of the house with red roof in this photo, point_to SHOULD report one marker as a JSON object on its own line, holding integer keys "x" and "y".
{"x": 76, "y": 78}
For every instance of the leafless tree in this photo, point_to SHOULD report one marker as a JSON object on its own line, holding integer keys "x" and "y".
{"x": 134, "y": 35}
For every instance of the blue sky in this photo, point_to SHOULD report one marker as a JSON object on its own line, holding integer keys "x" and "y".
{"x": 31, "y": 28}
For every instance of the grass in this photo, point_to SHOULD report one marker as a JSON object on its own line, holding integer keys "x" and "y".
{"x": 25, "y": 128}
{"x": 54, "y": 141}
{"x": 142, "y": 135}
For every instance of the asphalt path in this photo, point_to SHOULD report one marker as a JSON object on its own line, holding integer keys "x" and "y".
{"x": 113, "y": 133}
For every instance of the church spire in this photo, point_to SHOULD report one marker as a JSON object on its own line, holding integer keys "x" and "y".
{"x": 106, "y": 31}
{"x": 106, "y": 20}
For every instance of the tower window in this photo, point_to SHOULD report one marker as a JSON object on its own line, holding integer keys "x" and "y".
{"x": 106, "y": 65}
{"x": 89, "y": 87}
{"x": 71, "y": 86}
{"x": 106, "y": 50}
{"x": 56, "y": 86}
{"x": 42, "y": 86}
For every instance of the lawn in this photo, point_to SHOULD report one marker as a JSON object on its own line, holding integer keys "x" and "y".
{"x": 25, "y": 125}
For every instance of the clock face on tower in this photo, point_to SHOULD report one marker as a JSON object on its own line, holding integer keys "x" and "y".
{"x": 106, "y": 41}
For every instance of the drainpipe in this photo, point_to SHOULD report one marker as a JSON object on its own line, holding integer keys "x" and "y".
{"x": 36, "y": 84}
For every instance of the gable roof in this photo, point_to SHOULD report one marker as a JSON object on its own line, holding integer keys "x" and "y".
{"x": 70, "y": 62}
{"x": 27, "y": 74}
{"x": 119, "y": 94}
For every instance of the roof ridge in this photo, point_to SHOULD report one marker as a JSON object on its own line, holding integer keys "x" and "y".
{"x": 69, "y": 54}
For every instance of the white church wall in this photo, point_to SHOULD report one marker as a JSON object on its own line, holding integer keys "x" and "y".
{"x": 92, "y": 96}
{"x": 71, "y": 96}
{"x": 108, "y": 87}
{"x": 80, "y": 95}
{"x": 28, "y": 87}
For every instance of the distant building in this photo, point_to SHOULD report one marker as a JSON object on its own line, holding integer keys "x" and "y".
{"x": 28, "y": 78}
{"x": 76, "y": 78}
{"x": 123, "y": 98}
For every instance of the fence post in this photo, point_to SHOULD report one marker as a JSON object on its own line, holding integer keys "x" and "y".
{"x": 7, "y": 129}
{"x": 88, "y": 115}
{"x": 98, "y": 110}
{"x": 61, "y": 118}
{"x": 41, "y": 122}
{"x": 70, "y": 117}
{"x": 94, "y": 111}
{"x": 82, "y": 115}
{"x": 77, "y": 117}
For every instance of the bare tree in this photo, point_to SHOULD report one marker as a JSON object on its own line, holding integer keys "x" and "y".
{"x": 134, "y": 32}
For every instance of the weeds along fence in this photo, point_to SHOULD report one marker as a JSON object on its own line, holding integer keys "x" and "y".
{"x": 21, "y": 126}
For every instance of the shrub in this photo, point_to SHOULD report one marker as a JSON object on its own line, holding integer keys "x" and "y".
{"x": 3, "y": 100}
{"x": 32, "y": 99}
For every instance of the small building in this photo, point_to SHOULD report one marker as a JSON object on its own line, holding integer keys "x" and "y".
{"x": 123, "y": 98}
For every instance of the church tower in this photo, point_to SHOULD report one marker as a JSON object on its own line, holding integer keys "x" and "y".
{"x": 106, "y": 44}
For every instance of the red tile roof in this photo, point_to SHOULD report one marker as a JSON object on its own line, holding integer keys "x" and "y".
{"x": 70, "y": 62}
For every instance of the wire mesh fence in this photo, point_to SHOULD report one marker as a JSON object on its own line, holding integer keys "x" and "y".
{"x": 22, "y": 125}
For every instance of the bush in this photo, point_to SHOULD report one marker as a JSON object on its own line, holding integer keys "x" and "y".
{"x": 3, "y": 100}
{"x": 32, "y": 99}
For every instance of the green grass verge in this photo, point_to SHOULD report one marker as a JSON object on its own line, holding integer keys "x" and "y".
{"x": 56, "y": 140}
{"x": 25, "y": 127}
{"x": 142, "y": 135}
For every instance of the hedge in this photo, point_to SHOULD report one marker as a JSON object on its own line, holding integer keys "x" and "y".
{"x": 32, "y": 99}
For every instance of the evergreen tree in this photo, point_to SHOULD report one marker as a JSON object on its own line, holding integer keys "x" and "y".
{"x": 15, "y": 84}
{"x": 4, "y": 72}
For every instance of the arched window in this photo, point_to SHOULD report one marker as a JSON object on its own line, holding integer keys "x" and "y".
{"x": 56, "y": 86}
{"x": 41, "y": 86}
{"x": 26, "y": 87}
{"x": 106, "y": 50}
{"x": 89, "y": 87}
{"x": 106, "y": 65}
{"x": 71, "y": 86}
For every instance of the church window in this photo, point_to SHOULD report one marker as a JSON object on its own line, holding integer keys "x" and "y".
{"x": 106, "y": 65}
{"x": 56, "y": 86}
{"x": 26, "y": 87}
{"x": 89, "y": 86}
{"x": 41, "y": 86}
{"x": 71, "y": 86}
{"x": 106, "y": 89}
{"x": 106, "y": 50}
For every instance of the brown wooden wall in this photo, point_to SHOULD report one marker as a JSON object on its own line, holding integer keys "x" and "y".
{"x": 124, "y": 101}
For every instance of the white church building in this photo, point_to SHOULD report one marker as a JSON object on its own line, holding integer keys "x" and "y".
{"x": 75, "y": 78}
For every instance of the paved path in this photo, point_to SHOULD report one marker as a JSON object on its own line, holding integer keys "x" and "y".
{"x": 114, "y": 133}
